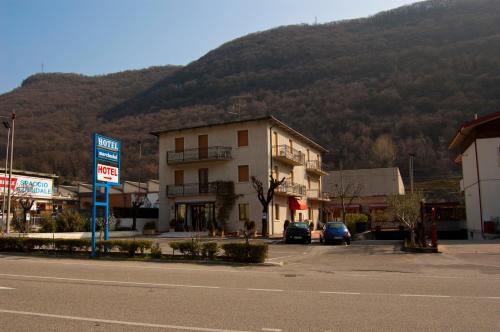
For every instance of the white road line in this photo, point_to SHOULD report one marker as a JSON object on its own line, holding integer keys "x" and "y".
{"x": 424, "y": 295}
{"x": 6, "y": 288}
{"x": 265, "y": 290}
{"x": 281, "y": 257}
{"x": 341, "y": 293}
{"x": 116, "y": 282}
{"x": 120, "y": 322}
{"x": 107, "y": 281}
{"x": 272, "y": 330}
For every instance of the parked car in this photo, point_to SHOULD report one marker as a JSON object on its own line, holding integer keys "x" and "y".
{"x": 298, "y": 231}
{"x": 335, "y": 231}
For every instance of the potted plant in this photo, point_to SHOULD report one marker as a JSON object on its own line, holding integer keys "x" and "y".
{"x": 149, "y": 228}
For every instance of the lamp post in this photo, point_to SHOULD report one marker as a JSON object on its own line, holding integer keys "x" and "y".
{"x": 13, "y": 117}
{"x": 412, "y": 157}
{"x": 6, "y": 125}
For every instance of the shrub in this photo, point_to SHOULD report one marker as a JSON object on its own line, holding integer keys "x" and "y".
{"x": 156, "y": 251}
{"x": 352, "y": 218}
{"x": 242, "y": 252}
{"x": 130, "y": 247}
{"x": 48, "y": 225}
{"x": 190, "y": 247}
{"x": 175, "y": 246}
{"x": 70, "y": 221}
{"x": 209, "y": 249}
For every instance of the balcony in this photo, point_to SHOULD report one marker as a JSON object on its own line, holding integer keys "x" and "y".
{"x": 198, "y": 189}
{"x": 315, "y": 167}
{"x": 213, "y": 153}
{"x": 316, "y": 195}
{"x": 288, "y": 155}
{"x": 289, "y": 188}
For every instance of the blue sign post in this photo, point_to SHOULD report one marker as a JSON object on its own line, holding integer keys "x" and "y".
{"x": 105, "y": 174}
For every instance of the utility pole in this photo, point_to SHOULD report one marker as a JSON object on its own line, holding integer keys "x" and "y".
{"x": 13, "y": 117}
{"x": 7, "y": 125}
{"x": 412, "y": 157}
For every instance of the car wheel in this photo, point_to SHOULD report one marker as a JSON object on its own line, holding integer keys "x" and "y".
{"x": 287, "y": 240}
{"x": 348, "y": 241}
{"x": 320, "y": 239}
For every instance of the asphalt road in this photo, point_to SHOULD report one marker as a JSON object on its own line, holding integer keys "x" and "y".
{"x": 364, "y": 287}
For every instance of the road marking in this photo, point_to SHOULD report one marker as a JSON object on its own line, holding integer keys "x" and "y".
{"x": 244, "y": 289}
{"x": 281, "y": 257}
{"x": 6, "y": 288}
{"x": 425, "y": 295}
{"x": 265, "y": 289}
{"x": 341, "y": 293}
{"x": 109, "y": 281}
{"x": 272, "y": 330}
{"x": 120, "y": 322}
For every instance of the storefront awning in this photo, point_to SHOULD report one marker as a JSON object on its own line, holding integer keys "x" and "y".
{"x": 296, "y": 204}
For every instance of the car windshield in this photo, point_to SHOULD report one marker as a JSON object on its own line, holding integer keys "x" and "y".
{"x": 335, "y": 225}
{"x": 298, "y": 225}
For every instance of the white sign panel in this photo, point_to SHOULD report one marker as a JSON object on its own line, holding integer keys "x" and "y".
{"x": 106, "y": 173}
{"x": 28, "y": 186}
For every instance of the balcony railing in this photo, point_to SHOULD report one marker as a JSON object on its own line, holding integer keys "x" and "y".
{"x": 289, "y": 188}
{"x": 316, "y": 194}
{"x": 288, "y": 155}
{"x": 196, "y": 189}
{"x": 199, "y": 154}
{"x": 316, "y": 167}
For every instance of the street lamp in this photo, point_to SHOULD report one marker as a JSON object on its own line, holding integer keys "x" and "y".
{"x": 13, "y": 117}
{"x": 412, "y": 158}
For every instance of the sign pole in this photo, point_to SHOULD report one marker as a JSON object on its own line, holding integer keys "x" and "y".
{"x": 94, "y": 207}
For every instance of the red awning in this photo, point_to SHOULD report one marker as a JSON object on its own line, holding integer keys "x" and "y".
{"x": 296, "y": 204}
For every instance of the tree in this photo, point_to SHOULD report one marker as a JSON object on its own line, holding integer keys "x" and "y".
{"x": 265, "y": 199}
{"x": 407, "y": 209}
{"x": 24, "y": 199}
{"x": 346, "y": 193}
{"x": 384, "y": 150}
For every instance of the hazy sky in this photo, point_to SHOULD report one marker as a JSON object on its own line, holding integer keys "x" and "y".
{"x": 103, "y": 36}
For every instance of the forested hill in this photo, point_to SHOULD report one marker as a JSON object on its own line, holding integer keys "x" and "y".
{"x": 371, "y": 90}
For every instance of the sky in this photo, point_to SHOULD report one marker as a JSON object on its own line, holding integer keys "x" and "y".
{"x": 95, "y": 37}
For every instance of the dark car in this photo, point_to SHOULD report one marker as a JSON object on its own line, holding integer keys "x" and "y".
{"x": 335, "y": 231}
{"x": 298, "y": 231}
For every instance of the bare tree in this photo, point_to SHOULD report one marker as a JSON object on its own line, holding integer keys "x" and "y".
{"x": 384, "y": 150}
{"x": 24, "y": 199}
{"x": 266, "y": 198}
{"x": 407, "y": 209}
{"x": 346, "y": 193}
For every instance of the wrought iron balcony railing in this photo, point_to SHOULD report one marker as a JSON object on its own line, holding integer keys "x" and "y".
{"x": 195, "y": 189}
{"x": 316, "y": 194}
{"x": 291, "y": 189}
{"x": 199, "y": 154}
{"x": 316, "y": 167}
{"x": 288, "y": 154}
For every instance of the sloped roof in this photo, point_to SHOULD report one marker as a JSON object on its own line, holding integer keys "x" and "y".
{"x": 466, "y": 132}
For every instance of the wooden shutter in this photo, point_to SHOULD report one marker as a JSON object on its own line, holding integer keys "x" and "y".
{"x": 179, "y": 177}
{"x": 203, "y": 146}
{"x": 243, "y": 173}
{"x": 242, "y": 137}
{"x": 179, "y": 144}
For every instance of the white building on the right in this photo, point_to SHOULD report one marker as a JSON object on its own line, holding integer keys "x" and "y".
{"x": 478, "y": 145}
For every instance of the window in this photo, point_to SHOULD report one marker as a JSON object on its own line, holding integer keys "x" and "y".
{"x": 291, "y": 177}
{"x": 310, "y": 213}
{"x": 276, "y": 172}
{"x": 203, "y": 146}
{"x": 179, "y": 144}
{"x": 179, "y": 177}
{"x": 242, "y": 138}
{"x": 277, "y": 211}
{"x": 275, "y": 142}
{"x": 308, "y": 158}
{"x": 243, "y": 173}
{"x": 244, "y": 211}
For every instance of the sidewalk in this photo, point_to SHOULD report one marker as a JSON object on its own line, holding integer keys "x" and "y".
{"x": 470, "y": 246}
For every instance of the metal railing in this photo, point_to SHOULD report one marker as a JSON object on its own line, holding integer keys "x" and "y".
{"x": 200, "y": 154}
{"x": 291, "y": 188}
{"x": 195, "y": 189}
{"x": 287, "y": 152}
{"x": 316, "y": 194}
{"x": 316, "y": 165}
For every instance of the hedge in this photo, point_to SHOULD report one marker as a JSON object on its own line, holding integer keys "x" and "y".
{"x": 242, "y": 252}
{"x": 25, "y": 244}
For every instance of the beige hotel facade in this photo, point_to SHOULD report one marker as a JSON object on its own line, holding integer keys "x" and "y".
{"x": 193, "y": 161}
